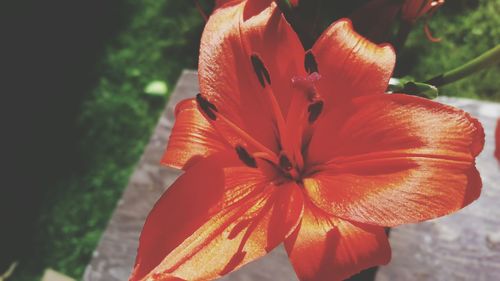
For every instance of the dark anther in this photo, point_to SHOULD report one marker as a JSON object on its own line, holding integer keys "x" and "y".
{"x": 310, "y": 63}
{"x": 207, "y": 107}
{"x": 315, "y": 110}
{"x": 285, "y": 163}
{"x": 245, "y": 157}
{"x": 260, "y": 70}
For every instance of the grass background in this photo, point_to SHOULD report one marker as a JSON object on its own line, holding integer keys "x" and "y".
{"x": 104, "y": 124}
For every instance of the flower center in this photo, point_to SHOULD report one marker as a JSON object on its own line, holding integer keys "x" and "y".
{"x": 293, "y": 131}
{"x": 289, "y": 170}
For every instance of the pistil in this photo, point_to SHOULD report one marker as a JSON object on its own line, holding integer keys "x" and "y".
{"x": 300, "y": 110}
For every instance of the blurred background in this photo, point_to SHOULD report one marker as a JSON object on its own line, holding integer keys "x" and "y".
{"x": 83, "y": 84}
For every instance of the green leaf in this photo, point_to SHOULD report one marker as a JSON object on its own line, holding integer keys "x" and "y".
{"x": 406, "y": 85}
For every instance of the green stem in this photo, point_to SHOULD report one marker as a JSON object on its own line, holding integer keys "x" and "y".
{"x": 484, "y": 61}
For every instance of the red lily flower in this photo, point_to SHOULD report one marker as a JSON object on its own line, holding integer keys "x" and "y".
{"x": 301, "y": 147}
{"x": 497, "y": 140}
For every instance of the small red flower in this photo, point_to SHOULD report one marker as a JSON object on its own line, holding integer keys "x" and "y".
{"x": 376, "y": 18}
{"x": 301, "y": 147}
{"x": 415, "y": 9}
{"x": 412, "y": 10}
{"x": 497, "y": 140}
{"x": 219, "y": 3}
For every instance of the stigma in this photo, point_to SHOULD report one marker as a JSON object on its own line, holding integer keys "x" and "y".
{"x": 307, "y": 85}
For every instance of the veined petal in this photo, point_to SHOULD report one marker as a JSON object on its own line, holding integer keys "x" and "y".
{"x": 215, "y": 218}
{"x": 241, "y": 43}
{"x": 192, "y": 138}
{"x": 326, "y": 248}
{"x": 395, "y": 159}
{"x": 395, "y": 123}
{"x": 350, "y": 65}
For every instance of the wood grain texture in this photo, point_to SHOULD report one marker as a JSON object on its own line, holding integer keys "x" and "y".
{"x": 463, "y": 246}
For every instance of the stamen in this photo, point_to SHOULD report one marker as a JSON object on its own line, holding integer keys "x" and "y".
{"x": 315, "y": 110}
{"x": 310, "y": 63}
{"x": 207, "y": 107}
{"x": 224, "y": 123}
{"x": 260, "y": 70}
{"x": 278, "y": 115}
{"x": 245, "y": 157}
{"x": 285, "y": 163}
{"x": 246, "y": 137}
{"x": 266, "y": 157}
{"x": 262, "y": 73}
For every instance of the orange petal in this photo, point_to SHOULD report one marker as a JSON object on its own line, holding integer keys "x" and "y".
{"x": 395, "y": 159}
{"x": 326, "y": 248}
{"x": 351, "y": 65}
{"x": 214, "y": 219}
{"x": 227, "y": 78}
{"x": 192, "y": 137}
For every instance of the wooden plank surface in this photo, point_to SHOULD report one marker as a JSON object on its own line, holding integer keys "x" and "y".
{"x": 463, "y": 246}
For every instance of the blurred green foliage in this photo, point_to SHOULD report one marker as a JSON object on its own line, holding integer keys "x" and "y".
{"x": 116, "y": 119}
{"x": 114, "y": 125}
{"x": 467, "y": 29}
